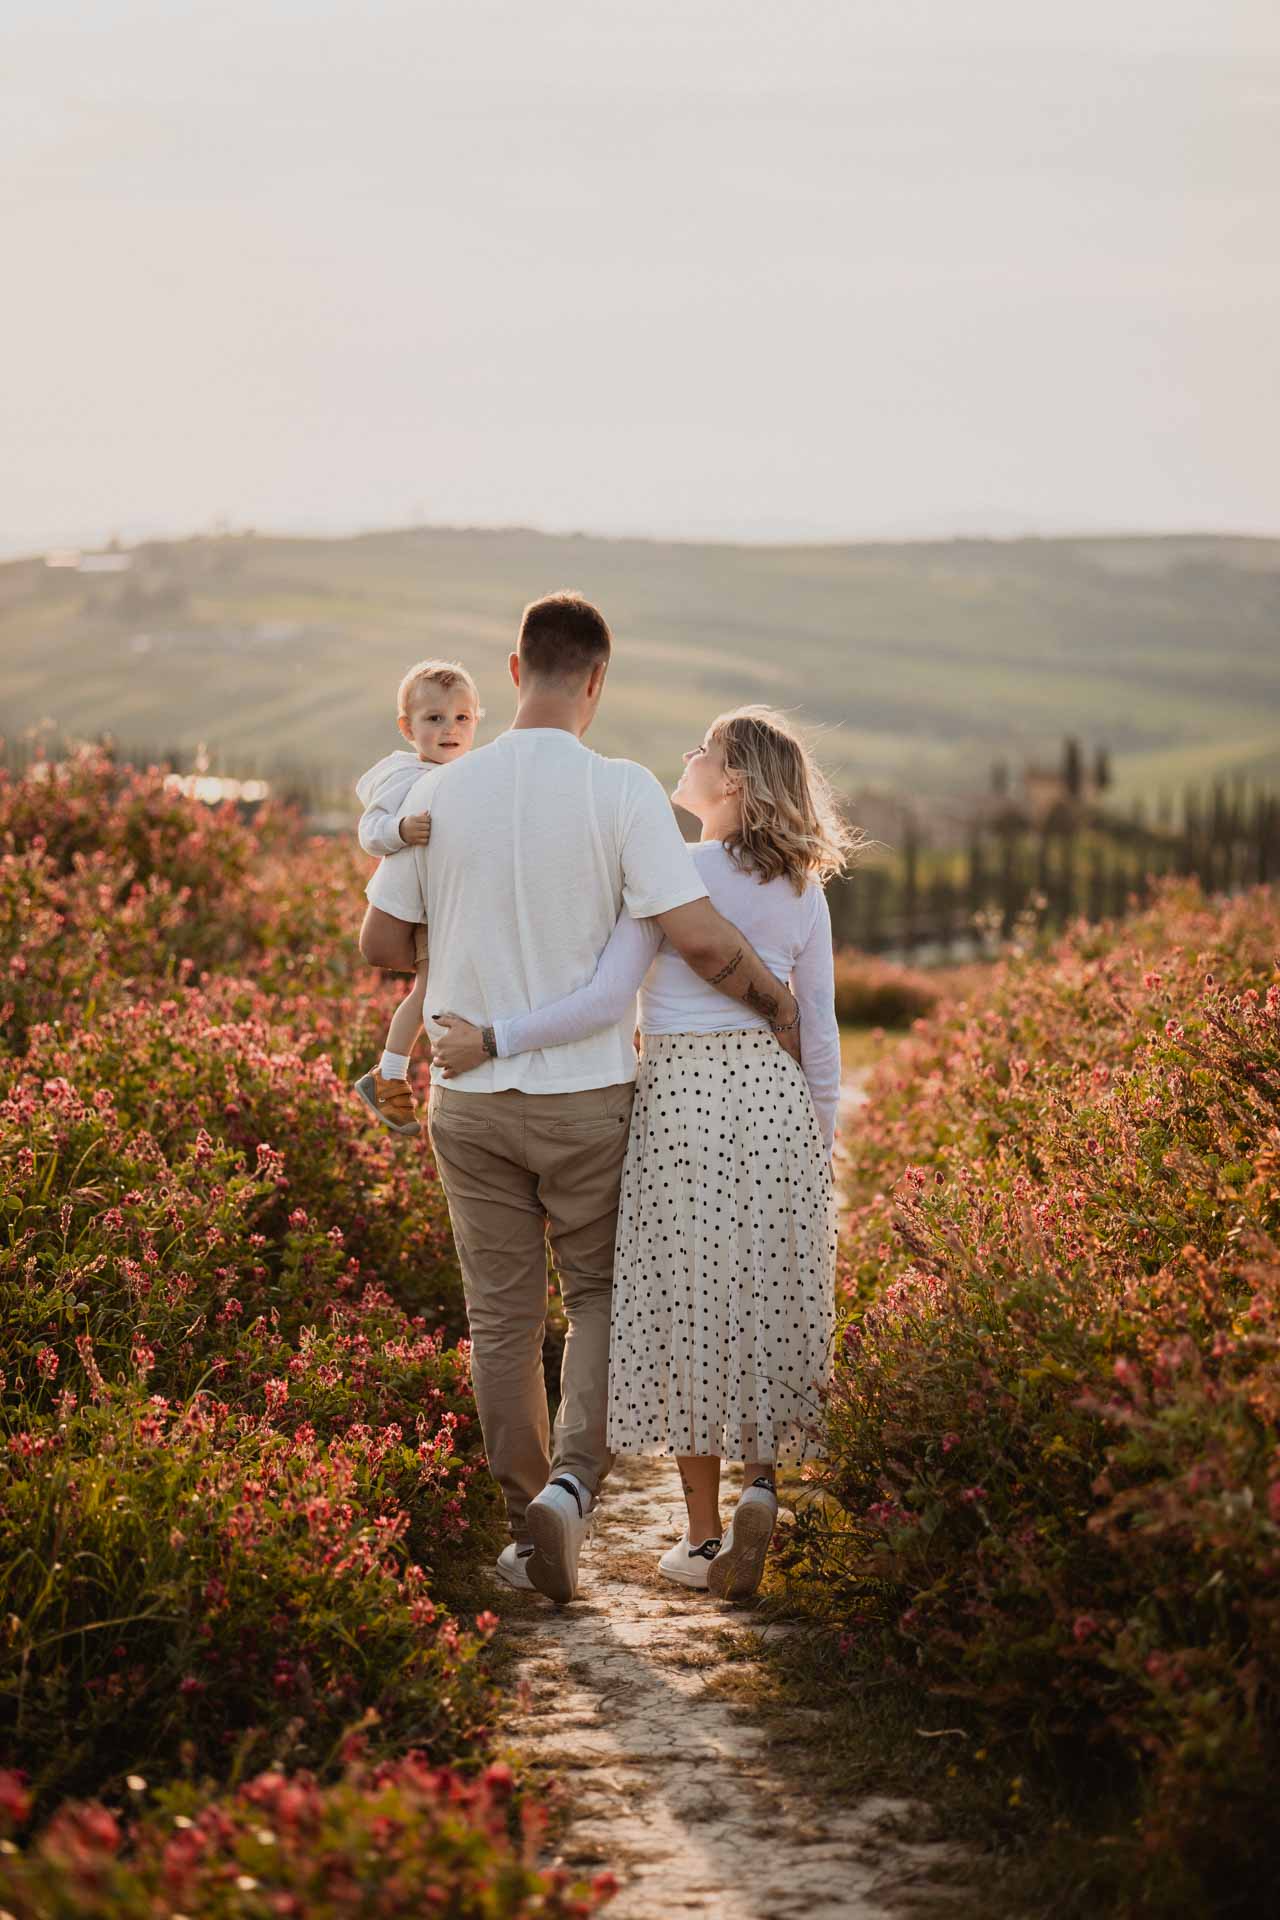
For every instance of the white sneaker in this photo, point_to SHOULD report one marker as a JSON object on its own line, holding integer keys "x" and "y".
{"x": 513, "y": 1566}
{"x": 558, "y": 1520}
{"x": 735, "y": 1572}
{"x": 687, "y": 1565}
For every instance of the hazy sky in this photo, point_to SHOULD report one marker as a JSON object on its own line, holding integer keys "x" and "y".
{"x": 811, "y": 268}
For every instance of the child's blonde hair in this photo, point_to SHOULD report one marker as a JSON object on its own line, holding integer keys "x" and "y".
{"x": 444, "y": 673}
{"x": 791, "y": 820}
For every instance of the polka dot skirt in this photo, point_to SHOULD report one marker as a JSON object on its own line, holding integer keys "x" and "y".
{"x": 723, "y": 1295}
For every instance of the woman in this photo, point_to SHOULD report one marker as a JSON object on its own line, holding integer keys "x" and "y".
{"x": 724, "y": 1273}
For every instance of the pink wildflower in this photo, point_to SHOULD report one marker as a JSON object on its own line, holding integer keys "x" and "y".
{"x": 15, "y": 1801}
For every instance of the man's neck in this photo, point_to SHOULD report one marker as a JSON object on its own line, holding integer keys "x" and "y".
{"x": 541, "y": 711}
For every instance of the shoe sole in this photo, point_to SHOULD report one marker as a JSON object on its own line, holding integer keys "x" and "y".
{"x": 520, "y": 1586}
{"x": 735, "y": 1575}
{"x": 364, "y": 1087}
{"x": 551, "y": 1568}
{"x": 682, "y": 1580}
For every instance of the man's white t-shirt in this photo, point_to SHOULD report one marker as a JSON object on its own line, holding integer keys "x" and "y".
{"x": 537, "y": 844}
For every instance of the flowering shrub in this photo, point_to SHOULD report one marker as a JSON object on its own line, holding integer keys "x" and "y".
{"x": 184, "y": 1574}
{"x": 193, "y": 1080}
{"x": 109, "y": 883}
{"x": 242, "y": 1491}
{"x": 1055, "y": 1428}
{"x": 400, "y": 1839}
{"x": 871, "y": 992}
{"x": 87, "y": 806}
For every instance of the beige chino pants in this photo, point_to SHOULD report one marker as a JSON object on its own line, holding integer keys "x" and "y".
{"x": 520, "y": 1169}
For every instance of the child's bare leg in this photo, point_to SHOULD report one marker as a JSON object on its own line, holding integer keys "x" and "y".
{"x": 385, "y": 1089}
{"x": 700, "y": 1478}
{"x": 406, "y": 1022}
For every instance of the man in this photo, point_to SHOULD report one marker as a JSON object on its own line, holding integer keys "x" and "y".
{"x": 536, "y": 844}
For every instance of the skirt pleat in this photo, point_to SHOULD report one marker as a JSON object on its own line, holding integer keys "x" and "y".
{"x": 724, "y": 1280}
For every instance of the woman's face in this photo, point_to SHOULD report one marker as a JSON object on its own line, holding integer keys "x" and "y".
{"x": 703, "y": 786}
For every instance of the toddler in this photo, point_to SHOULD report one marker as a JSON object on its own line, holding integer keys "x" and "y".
{"x": 437, "y": 709}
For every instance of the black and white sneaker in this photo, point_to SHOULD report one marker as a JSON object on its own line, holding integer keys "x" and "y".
{"x": 735, "y": 1572}
{"x": 513, "y": 1566}
{"x": 559, "y": 1519}
{"x": 688, "y": 1565}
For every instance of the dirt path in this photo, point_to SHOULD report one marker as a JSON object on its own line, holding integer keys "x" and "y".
{"x": 683, "y": 1793}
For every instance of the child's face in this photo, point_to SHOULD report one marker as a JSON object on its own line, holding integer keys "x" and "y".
{"x": 441, "y": 722}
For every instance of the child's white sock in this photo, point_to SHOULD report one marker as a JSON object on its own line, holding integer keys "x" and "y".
{"x": 394, "y": 1066}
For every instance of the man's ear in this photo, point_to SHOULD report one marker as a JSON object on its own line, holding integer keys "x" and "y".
{"x": 513, "y": 667}
{"x": 595, "y": 679}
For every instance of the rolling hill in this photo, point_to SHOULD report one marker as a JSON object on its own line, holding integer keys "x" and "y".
{"x": 920, "y": 662}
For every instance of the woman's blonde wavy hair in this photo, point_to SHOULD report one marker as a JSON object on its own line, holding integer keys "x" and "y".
{"x": 791, "y": 820}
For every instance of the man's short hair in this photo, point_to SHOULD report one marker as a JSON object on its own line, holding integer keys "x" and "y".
{"x": 562, "y": 637}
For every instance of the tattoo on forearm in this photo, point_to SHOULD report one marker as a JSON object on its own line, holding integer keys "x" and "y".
{"x": 717, "y": 978}
{"x": 759, "y": 1002}
{"x": 488, "y": 1042}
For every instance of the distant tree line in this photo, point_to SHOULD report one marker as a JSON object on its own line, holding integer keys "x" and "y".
{"x": 919, "y": 903}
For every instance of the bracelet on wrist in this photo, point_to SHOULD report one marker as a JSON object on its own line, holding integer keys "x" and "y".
{"x": 786, "y": 1025}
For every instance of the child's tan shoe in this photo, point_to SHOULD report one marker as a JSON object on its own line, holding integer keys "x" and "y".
{"x": 390, "y": 1101}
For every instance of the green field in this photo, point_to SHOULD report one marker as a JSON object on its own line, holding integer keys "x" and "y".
{"x": 921, "y": 662}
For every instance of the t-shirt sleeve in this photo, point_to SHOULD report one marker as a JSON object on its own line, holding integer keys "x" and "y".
{"x": 658, "y": 872}
{"x": 398, "y": 885}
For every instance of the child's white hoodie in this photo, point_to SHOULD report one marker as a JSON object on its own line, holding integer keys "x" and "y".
{"x": 382, "y": 792}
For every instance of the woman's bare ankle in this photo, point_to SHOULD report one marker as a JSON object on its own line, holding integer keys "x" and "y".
{"x": 700, "y": 1482}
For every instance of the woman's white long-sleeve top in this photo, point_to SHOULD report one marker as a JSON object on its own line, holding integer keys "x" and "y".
{"x": 790, "y": 931}
{"x": 382, "y": 792}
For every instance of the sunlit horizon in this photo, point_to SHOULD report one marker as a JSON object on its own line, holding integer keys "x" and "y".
{"x": 85, "y": 546}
